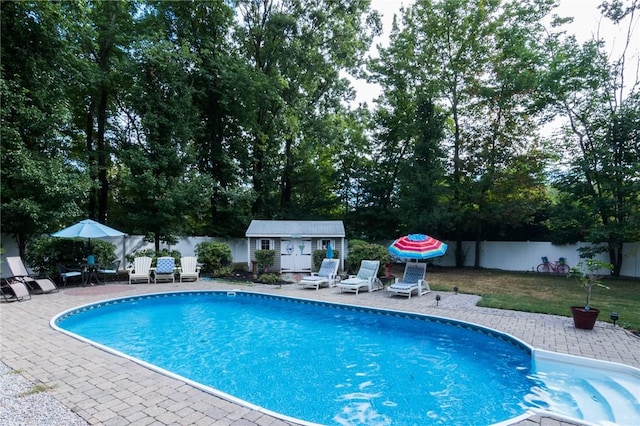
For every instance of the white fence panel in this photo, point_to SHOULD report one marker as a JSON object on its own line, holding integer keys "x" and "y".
{"x": 506, "y": 255}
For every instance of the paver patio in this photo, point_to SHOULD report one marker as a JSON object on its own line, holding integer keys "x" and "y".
{"x": 108, "y": 390}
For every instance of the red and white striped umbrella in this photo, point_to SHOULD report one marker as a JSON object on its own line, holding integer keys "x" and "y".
{"x": 417, "y": 246}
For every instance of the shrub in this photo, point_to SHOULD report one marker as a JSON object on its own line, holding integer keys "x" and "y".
{"x": 224, "y": 271}
{"x": 361, "y": 250}
{"x": 214, "y": 256}
{"x": 43, "y": 254}
{"x": 319, "y": 255}
{"x": 269, "y": 278}
{"x": 155, "y": 255}
{"x": 265, "y": 259}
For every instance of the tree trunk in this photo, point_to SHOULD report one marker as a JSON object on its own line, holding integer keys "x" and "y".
{"x": 478, "y": 244}
{"x": 103, "y": 190}
{"x": 21, "y": 239}
{"x": 286, "y": 181}
{"x": 459, "y": 253}
{"x": 89, "y": 133}
{"x": 615, "y": 257}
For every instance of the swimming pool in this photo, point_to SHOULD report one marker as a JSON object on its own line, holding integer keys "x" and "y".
{"x": 319, "y": 362}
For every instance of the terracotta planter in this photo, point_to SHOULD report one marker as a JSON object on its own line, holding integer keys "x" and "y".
{"x": 387, "y": 270}
{"x": 584, "y": 319}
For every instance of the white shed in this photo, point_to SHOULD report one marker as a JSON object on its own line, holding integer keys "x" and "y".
{"x": 295, "y": 241}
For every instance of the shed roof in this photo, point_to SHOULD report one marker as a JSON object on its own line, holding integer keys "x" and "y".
{"x": 295, "y": 228}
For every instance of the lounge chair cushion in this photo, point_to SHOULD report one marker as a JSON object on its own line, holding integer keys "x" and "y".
{"x": 366, "y": 278}
{"x": 412, "y": 281}
{"x": 326, "y": 275}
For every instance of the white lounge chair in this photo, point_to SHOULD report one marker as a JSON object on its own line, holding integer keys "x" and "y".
{"x": 165, "y": 269}
{"x": 412, "y": 281}
{"x": 33, "y": 282}
{"x": 140, "y": 270}
{"x": 189, "y": 268}
{"x": 327, "y": 275}
{"x": 367, "y": 278}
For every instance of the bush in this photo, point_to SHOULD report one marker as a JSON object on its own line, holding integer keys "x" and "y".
{"x": 43, "y": 254}
{"x": 269, "y": 278}
{"x": 224, "y": 271}
{"x": 265, "y": 259}
{"x": 361, "y": 250}
{"x": 214, "y": 256}
{"x": 155, "y": 255}
{"x": 320, "y": 255}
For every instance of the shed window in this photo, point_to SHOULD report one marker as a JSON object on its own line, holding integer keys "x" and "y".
{"x": 265, "y": 244}
{"x": 322, "y": 244}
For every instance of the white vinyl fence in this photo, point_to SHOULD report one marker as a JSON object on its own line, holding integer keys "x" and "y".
{"x": 506, "y": 255}
{"x": 527, "y": 255}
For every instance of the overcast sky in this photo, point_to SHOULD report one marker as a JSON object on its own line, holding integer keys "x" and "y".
{"x": 587, "y": 23}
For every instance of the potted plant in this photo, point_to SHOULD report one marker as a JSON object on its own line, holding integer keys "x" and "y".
{"x": 588, "y": 274}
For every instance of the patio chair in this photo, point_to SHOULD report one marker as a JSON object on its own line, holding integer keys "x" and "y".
{"x": 367, "y": 278}
{"x": 110, "y": 271}
{"x": 327, "y": 275}
{"x": 66, "y": 273}
{"x": 14, "y": 291}
{"x": 412, "y": 281}
{"x": 165, "y": 269}
{"x": 34, "y": 283}
{"x": 189, "y": 268}
{"x": 140, "y": 270}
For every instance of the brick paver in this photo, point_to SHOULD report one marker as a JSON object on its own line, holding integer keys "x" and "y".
{"x": 106, "y": 389}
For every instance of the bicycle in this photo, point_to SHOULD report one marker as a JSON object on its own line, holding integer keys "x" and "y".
{"x": 559, "y": 266}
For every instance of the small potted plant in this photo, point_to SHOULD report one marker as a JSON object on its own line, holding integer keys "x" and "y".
{"x": 588, "y": 274}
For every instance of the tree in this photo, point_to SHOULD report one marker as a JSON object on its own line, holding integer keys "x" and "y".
{"x": 422, "y": 205}
{"x": 99, "y": 36}
{"x": 477, "y": 63}
{"x": 41, "y": 185}
{"x": 602, "y": 134}
{"x": 159, "y": 185}
{"x": 221, "y": 83}
{"x": 296, "y": 50}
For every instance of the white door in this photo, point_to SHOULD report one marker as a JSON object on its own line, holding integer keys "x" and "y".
{"x": 295, "y": 255}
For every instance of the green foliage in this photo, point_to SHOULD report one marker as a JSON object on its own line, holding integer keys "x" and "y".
{"x": 265, "y": 259}
{"x": 603, "y": 172}
{"x": 224, "y": 271}
{"x": 589, "y": 274}
{"x": 320, "y": 255}
{"x": 361, "y": 250}
{"x": 42, "y": 186}
{"x": 43, "y": 254}
{"x": 36, "y": 389}
{"x": 141, "y": 253}
{"x": 192, "y": 118}
{"x": 269, "y": 278}
{"x": 214, "y": 256}
{"x": 154, "y": 255}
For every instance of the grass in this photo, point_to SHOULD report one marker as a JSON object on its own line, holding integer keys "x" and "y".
{"x": 541, "y": 293}
{"x": 37, "y": 389}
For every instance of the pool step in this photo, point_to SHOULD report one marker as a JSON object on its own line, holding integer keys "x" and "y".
{"x": 597, "y": 392}
{"x": 614, "y": 400}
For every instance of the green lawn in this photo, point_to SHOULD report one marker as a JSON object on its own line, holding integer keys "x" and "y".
{"x": 533, "y": 292}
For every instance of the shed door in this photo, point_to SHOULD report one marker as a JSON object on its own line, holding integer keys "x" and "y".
{"x": 295, "y": 255}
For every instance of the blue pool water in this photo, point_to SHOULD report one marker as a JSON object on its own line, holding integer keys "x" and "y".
{"x": 322, "y": 363}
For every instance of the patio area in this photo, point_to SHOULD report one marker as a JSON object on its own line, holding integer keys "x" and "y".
{"x": 108, "y": 390}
